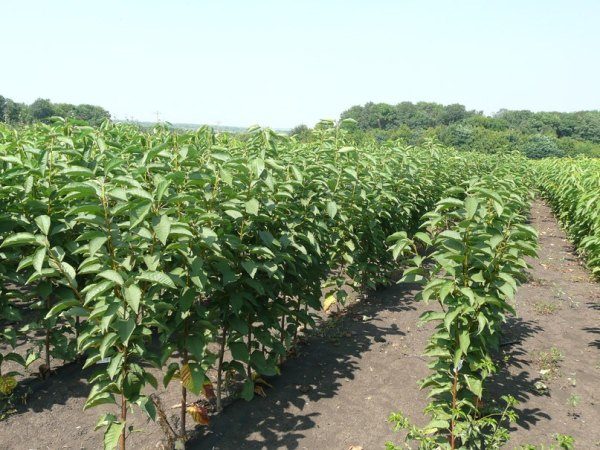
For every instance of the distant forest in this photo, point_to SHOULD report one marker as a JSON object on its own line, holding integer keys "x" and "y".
{"x": 42, "y": 109}
{"x": 537, "y": 134}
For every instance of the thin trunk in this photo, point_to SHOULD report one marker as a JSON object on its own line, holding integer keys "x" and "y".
{"x": 220, "y": 369}
{"x": 282, "y": 338}
{"x": 297, "y": 323}
{"x": 183, "y": 411}
{"x": 184, "y": 361}
{"x": 124, "y": 369}
{"x": 47, "y": 347}
{"x": 47, "y": 341}
{"x": 123, "y": 421}
{"x": 249, "y": 346}
{"x": 454, "y": 383}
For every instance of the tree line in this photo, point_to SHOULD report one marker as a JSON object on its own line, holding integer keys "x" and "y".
{"x": 536, "y": 134}
{"x": 41, "y": 110}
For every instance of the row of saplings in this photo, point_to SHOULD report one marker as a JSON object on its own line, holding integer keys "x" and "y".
{"x": 475, "y": 242}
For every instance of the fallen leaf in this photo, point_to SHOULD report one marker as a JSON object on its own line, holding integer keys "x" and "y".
{"x": 198, "y": 413}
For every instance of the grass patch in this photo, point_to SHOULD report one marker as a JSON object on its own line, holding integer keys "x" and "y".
{"x": 549, "y": 363}
{"x": 545, "y": 308}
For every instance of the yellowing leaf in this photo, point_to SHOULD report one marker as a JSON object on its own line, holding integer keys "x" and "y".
{"x": 198, "y": 413}
{"x": 329, "y": 301}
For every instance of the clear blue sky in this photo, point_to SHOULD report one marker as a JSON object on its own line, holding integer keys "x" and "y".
{"x": 282, "y": 63}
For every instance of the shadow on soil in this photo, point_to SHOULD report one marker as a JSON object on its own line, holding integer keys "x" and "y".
{"x": 36, "y": 394}
{"x": 595, "y": 331}
{"x": 327, "y": 356}
{"x": 514, "y": 372}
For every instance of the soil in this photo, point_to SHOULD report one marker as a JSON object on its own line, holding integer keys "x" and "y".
{"x": 361, "y": 364}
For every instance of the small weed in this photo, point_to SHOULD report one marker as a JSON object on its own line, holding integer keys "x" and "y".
{"x": 559, "y": 293}
{"x": 573, "y": 304}
{"x": 574, "y": 400}
{"x": 545, "y": 308}
{"x": 548, "y": 362}
{"x": 563, "y": 442}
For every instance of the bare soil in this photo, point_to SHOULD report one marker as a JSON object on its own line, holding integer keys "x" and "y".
{"x": 362, "y": 364}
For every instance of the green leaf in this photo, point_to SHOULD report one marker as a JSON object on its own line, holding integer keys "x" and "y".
{"x": 125, "y": 329}
{"x": 139, "y": 213}
{"x": 471, "y": 205}
{"x": 239, "y": 351}
{"x": 96, "y": 243}
{"x": 112, "y": 434}
{"x": 263, "y": 366}
{"x": 464, "y": 341}
{"x": 133, "y": 295}
{"x": 38, "y": 259}
{"x": 252, "y": 206}
{"x": 147, "y": 405}
{"x": 474, "y": 385}
{"x": 61, "y": 306}
{"x": 107, "y": 343}
{"x": 160, "y": 278}
{"x": 332, "y": 209}
{"x": 43, "y": 223}
{"x": 162, "y": 229}
{"x": 19, "y": 239}
{"x": 423, "y": 237}
{"x": 248, "y": 390}
{"x": 94, "y": 290}
{"x": 112, "y": 275}
{"x": 251, "y": 267}
{"x": 233, "y": 213}
{"x": 450, "y": 316}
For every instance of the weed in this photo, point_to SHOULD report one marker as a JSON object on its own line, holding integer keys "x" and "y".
{"x": 549, "y": 362}
{"x": 574, "y": 400}
{"x": 545, "y": 308}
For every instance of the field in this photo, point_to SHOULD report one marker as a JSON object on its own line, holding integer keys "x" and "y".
{"x": 150, "y": 279}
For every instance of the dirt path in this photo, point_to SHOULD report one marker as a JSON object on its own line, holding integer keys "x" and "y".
{"x": 558, "y": 309}
{"x": 365, "y": 364}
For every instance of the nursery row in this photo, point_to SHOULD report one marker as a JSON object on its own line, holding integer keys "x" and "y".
{"x": 478, "y": 239}
{"x": 572, "y": 186}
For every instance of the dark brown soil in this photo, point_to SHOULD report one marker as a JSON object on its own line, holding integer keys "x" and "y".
{"x": 360, "y": 366}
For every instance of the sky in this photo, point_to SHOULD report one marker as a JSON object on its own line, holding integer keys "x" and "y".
{"x": 284, "y": 63}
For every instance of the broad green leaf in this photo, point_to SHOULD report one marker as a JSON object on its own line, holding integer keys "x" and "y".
{"x": 157, "y": 277}
{"x": 252, "y": 206}
{"x": 43, "y": 223}
{"x": 112, "y": 275}
{"x": 133, "y": 296}
{"x": 112, "y": 434}
{"x": 38, "y": 259}
{"x": 125, "y": 329}
{"x": 332, "y": 209}
{"x": 162, "y": 229}
{"x": 19, "y": 239}
{"x": 239, "y": 351}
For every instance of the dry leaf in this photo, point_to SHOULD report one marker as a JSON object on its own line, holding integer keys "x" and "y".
{"x": 198, "y": 413}
{"x": 260, "y": 391}
{"x": 208, "y": 390}
{"x": 330, "y": 300}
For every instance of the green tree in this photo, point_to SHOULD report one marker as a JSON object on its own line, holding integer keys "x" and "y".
{"x": 14, "y": 112}
{"x": 41, "y": 110}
